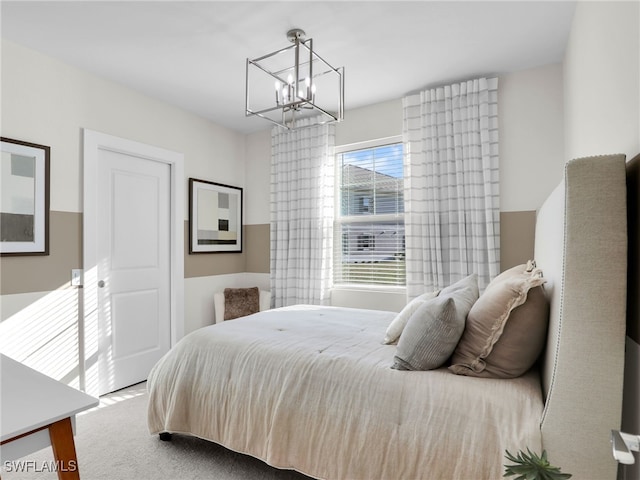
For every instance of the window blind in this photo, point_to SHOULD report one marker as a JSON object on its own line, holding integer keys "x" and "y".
{"x": 370, "y": 244}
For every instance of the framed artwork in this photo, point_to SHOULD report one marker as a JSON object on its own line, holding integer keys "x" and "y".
{"x": 215, "y": 217}
{"x": 24, "y": 198}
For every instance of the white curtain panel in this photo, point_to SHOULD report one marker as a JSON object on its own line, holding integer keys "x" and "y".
{"x": 452, "y": 193}
{"x": 302, "y": 206}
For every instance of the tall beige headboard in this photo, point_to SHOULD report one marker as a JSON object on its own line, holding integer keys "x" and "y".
{"x": 581, "y": 247}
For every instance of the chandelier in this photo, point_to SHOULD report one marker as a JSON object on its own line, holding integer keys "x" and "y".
{"x": 294, "y": 83}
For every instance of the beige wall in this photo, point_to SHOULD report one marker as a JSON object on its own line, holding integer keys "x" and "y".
{"x": 369, "y": 123}
{"x": 602, "y": 115}
{"x": 601, "y": 80}
{"x": 530, "y": 112}
{"x": 257, "y": 181}
{"x": 45, "y": 273}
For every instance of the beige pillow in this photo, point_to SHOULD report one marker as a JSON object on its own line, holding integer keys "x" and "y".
{"x": 395, "y": 328}
{"x": 506, "y": 328}
{"x": 434, "y": 329}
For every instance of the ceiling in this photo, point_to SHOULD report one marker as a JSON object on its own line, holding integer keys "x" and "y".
{"x": 192, "y": 54}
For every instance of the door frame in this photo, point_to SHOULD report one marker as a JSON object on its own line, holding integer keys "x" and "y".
{"x": 93, "y": 143}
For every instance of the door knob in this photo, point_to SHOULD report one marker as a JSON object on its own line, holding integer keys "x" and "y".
{"x": 101, "y": 283}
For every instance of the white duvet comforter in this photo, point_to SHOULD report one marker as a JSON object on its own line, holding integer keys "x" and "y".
{"x": 311, "y": 389}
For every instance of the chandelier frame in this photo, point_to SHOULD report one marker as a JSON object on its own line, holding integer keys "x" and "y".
{"x": 295, "y": 95}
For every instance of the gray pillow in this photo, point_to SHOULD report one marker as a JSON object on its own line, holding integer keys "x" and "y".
{"x": 434, "y": 329}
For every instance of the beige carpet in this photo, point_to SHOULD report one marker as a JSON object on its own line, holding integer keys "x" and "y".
{"x": 113, "y": 443}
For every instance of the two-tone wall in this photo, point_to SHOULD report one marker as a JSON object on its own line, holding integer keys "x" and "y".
{"x": 48, "y": 102}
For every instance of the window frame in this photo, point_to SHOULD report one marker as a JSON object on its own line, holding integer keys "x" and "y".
{"x": 340, "y": 219}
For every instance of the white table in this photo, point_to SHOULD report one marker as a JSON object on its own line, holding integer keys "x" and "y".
{"x": 37, "y": 411}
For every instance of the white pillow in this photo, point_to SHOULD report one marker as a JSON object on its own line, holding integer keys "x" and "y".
{"x": 395, "y": 328}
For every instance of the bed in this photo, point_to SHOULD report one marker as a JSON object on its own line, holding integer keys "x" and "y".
{"x": 310, "y": 388}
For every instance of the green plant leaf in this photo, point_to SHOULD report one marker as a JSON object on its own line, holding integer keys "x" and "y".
{"x": 530, "y": 466}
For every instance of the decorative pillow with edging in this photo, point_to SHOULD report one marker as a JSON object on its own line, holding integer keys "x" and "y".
{"x": 506, "y": 328}
{"x": 434, "y": 329}
{"x": 395, "y": 328}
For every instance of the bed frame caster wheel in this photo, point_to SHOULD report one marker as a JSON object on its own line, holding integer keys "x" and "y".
{"x": 165, "y": 436}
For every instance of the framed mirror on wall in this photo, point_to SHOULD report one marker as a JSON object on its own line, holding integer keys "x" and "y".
{"x": 215, "y": 217}
{"x": 24, "y": 198}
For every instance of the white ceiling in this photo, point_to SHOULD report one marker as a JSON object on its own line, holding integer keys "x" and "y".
{"x": 192, "y": 54}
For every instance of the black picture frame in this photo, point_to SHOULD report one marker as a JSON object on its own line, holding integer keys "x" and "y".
{"x": 24, "y": 215}
{"x": 215, "y": 217}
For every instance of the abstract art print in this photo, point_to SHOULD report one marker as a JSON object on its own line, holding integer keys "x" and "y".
{"x": 24, "y": 198}
{"x": 215, "y": 217}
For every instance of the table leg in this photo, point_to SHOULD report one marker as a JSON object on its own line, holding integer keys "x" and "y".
{"x": 64, "y": 449}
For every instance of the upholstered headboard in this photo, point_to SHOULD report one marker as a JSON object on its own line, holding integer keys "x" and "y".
{"x": 581, "y": 247}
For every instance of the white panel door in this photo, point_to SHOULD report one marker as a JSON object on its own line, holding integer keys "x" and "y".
{"x": 133, "y": 267}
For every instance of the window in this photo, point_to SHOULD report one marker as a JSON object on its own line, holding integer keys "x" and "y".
{"x": 370, "y": 216}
